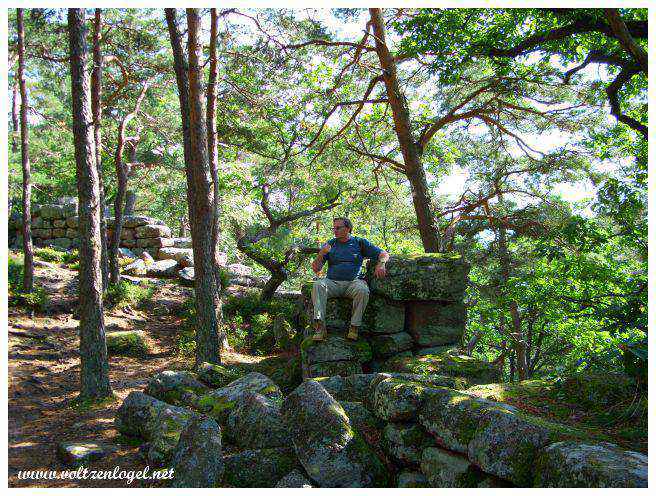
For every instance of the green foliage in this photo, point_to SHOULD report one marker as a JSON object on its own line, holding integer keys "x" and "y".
{"x": 37, "y": 299}
{"x": 125, "y": 294}
{"x": 48, "y": 254}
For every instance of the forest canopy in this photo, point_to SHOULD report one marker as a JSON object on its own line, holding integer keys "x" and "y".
{"x": 518, "y": 140}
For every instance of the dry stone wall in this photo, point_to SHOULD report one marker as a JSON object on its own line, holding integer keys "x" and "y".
{"x": 417, "y": 310}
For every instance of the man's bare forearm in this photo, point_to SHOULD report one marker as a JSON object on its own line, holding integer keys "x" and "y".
{"x": 317, "y": 263}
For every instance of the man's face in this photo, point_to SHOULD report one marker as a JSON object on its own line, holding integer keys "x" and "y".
{"x": 340, "y": 230}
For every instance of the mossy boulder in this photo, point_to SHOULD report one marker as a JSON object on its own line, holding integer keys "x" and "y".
{"x": 220, "y": 402}
{"x": 197, "y": 459}
{"x": 405, "y": 441}
{"x": 436, "y": 323}
{"x": 436, "y": 350}
{"x": 334, "y": 348}
{"x": 154, "y": 421}
{"x": 177, "y": 387}
{"x": 507, "y": 443}
{"x": 452, "y": 416}
{"x": 396, "y": 399}
{"x": 576, "y": 464}
{"x": 295, "y": 478}
{"x": 475, "y": 371}
{"x": 349, "y": 388}
{"x": 383, "y": 316}
{"x": 128, "y": 343}
{"x": 327, "y": 369}
{"x": 256, "y": 422}
{"x": 408, "y": 478}
{"x": 258, "y": 467}
{"x": 446, "y": 469}
{"x": 387, "y": 345}
{"x": 217, "y": 376}
{"x": 362, "y": 420}
{"x": 422, "y": 277}
{"x": 594, "y": 390}
{"x": 332, "y": 452}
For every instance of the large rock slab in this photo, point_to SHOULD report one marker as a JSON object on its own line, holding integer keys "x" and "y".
{"x": 256, "y": 422}
{"x": 453, "y": 417}
{"x": 152, "y": 231}
{"x": 473, "y": 370}
{"x": 136, "y": 268}
{"x": 576, "y": 464}
{"x": 258, "y": 468}
{"x": 365, "y": 422}
{"x": 387, "y": 345}
{"x": 333, "y": 349}
{"x": 197, "y": 459}
{"x": 184, "y": 256}
{"x": 405, "y": 441}
{"x": 329, "y": 448}
{"x": 136, "y": 221}
{"x": 445, "y": 469}
{"x": 176, "y": 387}
{"x": 422, "y": 277}
{"x": 383, "y": 316}
{"x": 434, "y": 323}
{"x": 507, "y": 443}
{"x": 327, "y": 369}
{"x": 220, "y": 402}
{"x": 162, "y": 268}
{"x": 128, "y": 343}
{"x": 217, "y": 376}
{"x": 295, "y": 478}
{"x": 397, "y": 399}
{"x": 53, "y": 212}
{"x": 153, "y": 420}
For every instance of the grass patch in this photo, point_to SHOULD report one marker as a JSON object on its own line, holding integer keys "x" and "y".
{"x": 81, "y": 404}
{"x": 125, "y": 294}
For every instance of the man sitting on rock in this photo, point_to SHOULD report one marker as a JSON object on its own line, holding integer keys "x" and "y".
{"x": 344, "y": 254}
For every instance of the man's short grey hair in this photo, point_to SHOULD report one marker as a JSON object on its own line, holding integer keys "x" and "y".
{"x": 347, "y": 222}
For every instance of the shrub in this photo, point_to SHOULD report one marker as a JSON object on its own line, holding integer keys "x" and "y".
{"x": 49, "y": 254}
{"x": 37, "y": 299}
{"x": 125, "y": 294}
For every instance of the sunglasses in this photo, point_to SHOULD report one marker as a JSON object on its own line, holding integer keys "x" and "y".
{"x": 337, "y": 228}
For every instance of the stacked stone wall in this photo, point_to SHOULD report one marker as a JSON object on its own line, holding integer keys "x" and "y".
{"x": 416, "y": 310}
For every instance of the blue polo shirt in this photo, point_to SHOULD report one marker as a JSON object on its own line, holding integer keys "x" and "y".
{"x": 345, "y": 259}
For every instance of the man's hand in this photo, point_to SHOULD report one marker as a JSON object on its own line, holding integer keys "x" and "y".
{"x": 325, "y": 249}
{"x": 380, "y": 271}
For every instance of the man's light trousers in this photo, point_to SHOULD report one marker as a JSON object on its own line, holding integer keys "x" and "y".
{"x": 357, "y": 290}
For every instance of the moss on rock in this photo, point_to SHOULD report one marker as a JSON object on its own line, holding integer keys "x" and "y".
{"x": 128, "y": 343}
{"x": 473, "y": 370}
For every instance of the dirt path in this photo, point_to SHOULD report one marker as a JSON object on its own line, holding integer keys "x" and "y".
{"x": 43, "y": 377}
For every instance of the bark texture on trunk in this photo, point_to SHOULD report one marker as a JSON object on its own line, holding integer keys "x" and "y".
{"x": 14, "y": 118}
{"x": 199, "y": 190}
{"x": 94, "y": 374}
{"x": 130, "y": 202}
{"x": 96, "y": 109}
{"x": 212, "y": 146}
{"x": 28, "y": 249}
{"x": 410, "y": 149}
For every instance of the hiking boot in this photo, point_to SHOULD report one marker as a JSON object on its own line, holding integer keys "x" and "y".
{"x": 353, "y": 333}
{"x": 320, "y": 331}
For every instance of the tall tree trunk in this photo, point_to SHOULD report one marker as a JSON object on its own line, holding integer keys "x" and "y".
{"x": 211, "y": 126}
{"x": 14, "y": 118}
{"x": 130, "y": 202}
{"x": 28, "y": 251}
{"x": 94, "y": 374}
{"x": 410, "y": 149}
{"x": 199, "y": 191}
{"x": 96, "y": 109}
{"x": 518, "y": 338}
{"x": 122, "y": 173}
